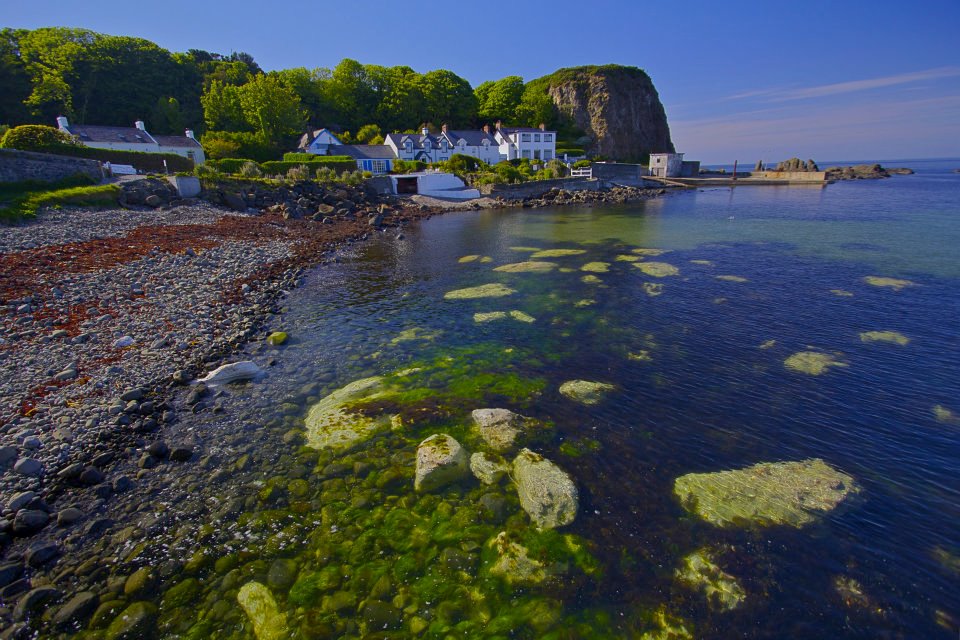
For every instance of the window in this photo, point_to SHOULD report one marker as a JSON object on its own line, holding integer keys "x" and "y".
{"x": 548, "y": 137}
{"x": 379, "y": 166}
{"x": 526, "y": 153}
{"x": 536, "y": 137}
{"x": 190, "y": 154}
{"x": 548, "y": 155}
{"x": 525, "y": 137}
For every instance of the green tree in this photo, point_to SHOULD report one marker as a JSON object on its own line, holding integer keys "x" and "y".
{"x": 449, "y": 98}
{"x": 367, "y": 133}
{"x": 350, "y": 93}
{"x": 222, "y": 109}
{"x": 498, "y": 100}
{"x": 166, "y": 117}
{"x": 271, "y": 108}
{"x": 403, "y": 104}
{"x": 14, "y": 80}
{"x": 536, "y": 107}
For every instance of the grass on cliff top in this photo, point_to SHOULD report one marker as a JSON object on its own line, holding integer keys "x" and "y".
{"x": 20, "y": 200}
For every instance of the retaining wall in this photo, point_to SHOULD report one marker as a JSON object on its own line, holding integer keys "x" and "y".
{"x": 537, "y": 188}
{"x": 27, "y": 165}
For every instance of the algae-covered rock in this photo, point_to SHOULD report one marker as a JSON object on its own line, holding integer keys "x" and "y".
{"x": 330, "y": 425}
{"x": 525, "y": 249}
{"x": 269, "y": 623}
{"x": 487, "y": 469}
{"x": 765, "y": 494}
{"x": 728, "y": 278}
{"x": 586, "y": 302}
{"x": 413, "y": 334}
{"x": 650, "y": 252}
{"x": 547, "y": 493}
{"x": 596, "y": 267}
{"x": 558, "y": 253}
{"x": 657, "y": 269}
{"x": 841, "y": 293}
{"x": 466, "y": 259}
{"x": 944, "y": 415}
{"x": 585, "y": 391}
{"x": 489, "y": 316}
{"x": 591, "y": 279}
{"x": 628, "y": 258}
{"x": 700, "y": 571}
{"x": 814, "y": 363}
{"x": 885, "y": 336}
{"x": 767, "y": 344}
{"x": 133, "y": 623}
{"x": 891, "y": 283}
{"x": 493, "y": 290}
{"x": 520, "y": 316}
{"x": 513, "y": 563}
{"x": 703, "y": 263}
{"x": 532, "y": 266}
{"x": 440, "y": 460}
{"x": 640, "y": 356}
{"x": 277, "y": 338}
{"x": 664, "y": 625}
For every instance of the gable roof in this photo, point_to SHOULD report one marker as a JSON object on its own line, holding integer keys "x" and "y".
{"x": 307, "y": 139}
{"x": 175, "y": 141}
{"x": 367, "y": 151}
{"x": 473, "y": 138}
{"x": 97, "y": 133}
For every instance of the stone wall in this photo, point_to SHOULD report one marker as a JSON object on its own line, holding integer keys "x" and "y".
{"x": 792, "y": 176}
{"x": 617, "y": 171}
{"x": 26, "y": 165}
{"x": 537, "y": 188}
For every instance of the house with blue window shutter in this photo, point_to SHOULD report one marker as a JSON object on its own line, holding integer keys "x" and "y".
{"x": 375, "y": 158}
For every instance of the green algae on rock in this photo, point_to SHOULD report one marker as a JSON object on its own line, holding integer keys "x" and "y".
{"x": 700, "y": 571}
{"x": 628, "y": 258}
{"x": 489, "y": 316}
{"x": 586, "y": 302}
{"x": 558, "y": 253}
{"x": 526, "y": 249}
{"x": 531, "y": 266}
{"x": 487, "y": 469}
{"x": 812, "y": 363}
{"x": 657, "y": 269}
{"x": 520, "y": 316}
{"x": 892, "y": 283}
{"x": 771, "y": 493}
{"x": 547, "y": 493}
{"x": 664, "y": 625}
{"x": 269, "y": 623}
{"x": 413, "y": 334}
{"x": 703, "y": 263}
{"x": 728, "y": 278}
{"x": 650, "y": 252}
{"x": 469, "y": 258}
{"x": 440, "y": 461}
{"x": 596, "y": 267}
{"x": 277, "y": 338}
{"x": 768, "y": 344}
{"x": 652, "y": 289}
{"x": 885, "y": 336}
{"x": 513, "y": 563}
{"x": 640, "y": 356}
{"x": 944, "y": 415}
{"x": 499, "y": 428}
{"x": 330, "y": 425}
{"x": 585, "y": 391}
{"x": 591, "y": 279}
{"x": 493, "y": 290}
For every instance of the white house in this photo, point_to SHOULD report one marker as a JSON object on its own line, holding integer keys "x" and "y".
{"x": 427, "y": 147}
{"x": 134, "y": 138}
{"x": 666, "y": 165}
{"x": 320, "y": 143}
{"x": 526, "y": 142}
{"x": 376, "y": 158}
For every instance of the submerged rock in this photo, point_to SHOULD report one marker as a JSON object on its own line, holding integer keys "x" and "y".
{"x": 466, "y": 259}
{"x": 527, "y": 267}
{"x": 520, "y": 316}
{"x": 813, "y": 363}
{"x": 944, "y": 415}
{"x": 513, "y": 563}
{"x": 596, "y": 267}
{"x": 547, "y": 493}
{"x": 489, "y": 316}
{"x": 885, "y": 336}
{"x": 650, "y": 252}
{"x": 585, "y": 391}
{"x": 652, "y": 289}
{"x": 500, "y": 428}
{"x": 486, "y": 469}
{"x": 232, "y": 372}
{"x": 657, "y": 269}
{"x": 841, "y": 293}
{"x": 258, "y": 603}
{"x": 731, "y": 278}
{"x": 591, "y": 279}
{"x": 892, "y": 283}
{"x": 331, "y": 425}
{"x": 558, "y": 253}
{"x": 628, "y": 258}
{"x": 722, "y": 590}
{"x": 493, "y": 290}
{"x": 134, "y": 622}
{"x": 765, "y": 494}
{"x": 440, "y": 460}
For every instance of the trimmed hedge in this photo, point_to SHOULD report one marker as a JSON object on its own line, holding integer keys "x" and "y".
{"x": 281, "y": 167}
{"x": 573, "y": 151}
{"x": 142, "y": 161}
{"x": 230, "y": 165}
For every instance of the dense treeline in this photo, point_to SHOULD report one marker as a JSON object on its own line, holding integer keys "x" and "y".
{"x": 243, "y": 112}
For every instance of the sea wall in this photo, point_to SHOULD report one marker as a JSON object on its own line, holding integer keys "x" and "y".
{"x": 537, "y": 188}
{"x": 27, "y": 165}
{"x": 618, "y": 171}
{"x": 792, "y": 176}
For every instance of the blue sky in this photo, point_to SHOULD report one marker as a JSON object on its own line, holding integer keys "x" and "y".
{"x": 739, "y": 80}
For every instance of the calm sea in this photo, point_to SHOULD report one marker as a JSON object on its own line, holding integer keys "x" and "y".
{"x": 699, "y": 385}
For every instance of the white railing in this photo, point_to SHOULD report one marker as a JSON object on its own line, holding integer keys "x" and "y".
{"x": 582, "y": 173}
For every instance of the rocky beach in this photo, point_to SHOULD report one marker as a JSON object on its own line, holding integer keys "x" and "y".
{"x": 109, "y": 316}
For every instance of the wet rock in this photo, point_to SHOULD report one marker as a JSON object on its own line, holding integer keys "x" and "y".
{"x": 69, "y": 516}
{"x": 499, "y": 428}
{"x": 231, "y": 372}
{"x": 547, "y": 493}
{"x": 71, "y": 472}
{"x": 28, "y": 521}
{"x": 440, "y": 461}
{"x": 283, "y": 573}
{"x": 158, "y": 449}
{"x": 585, "y": 391}
{"x": 39, "y": 554}
{"x": 76, "y": 610}
{"x": 33, "y": 600}
{"x": 814, "y": 363}
{"x": 9, "y": 572}
{"x": 181, "y": 452}
{"x": 330, "y": 426}
{"x": 657, "y": 269}
{"x": 513, "y": 562}
{"x": 781, "y": 493}
{"x": 91, "y": 476}
{"x": 7, "y": 455}
{"x": 269, "y": 623}
{"x": 495, "y": 290}
{"x": 700, "y": 571}
{"x": 486, "y": 469}
{"x": 379, "y": 616}
{"x": 277, "y": 338}
{"x": 134, "y": 623}
{"x": 139, "y": 582}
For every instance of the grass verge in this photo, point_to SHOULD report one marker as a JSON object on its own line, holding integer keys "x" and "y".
{"x": 23, "y": 199}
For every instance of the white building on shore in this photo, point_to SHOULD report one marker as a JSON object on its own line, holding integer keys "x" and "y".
{"x": 135, "y": 138}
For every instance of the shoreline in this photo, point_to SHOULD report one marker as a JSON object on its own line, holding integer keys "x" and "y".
{"x": 103, "y": 332}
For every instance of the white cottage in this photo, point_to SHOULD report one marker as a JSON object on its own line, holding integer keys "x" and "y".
{"x": 526, "y": 142}
{"x": 321, "y": 142}
{"x": 426, "y": 147}
{"x": 666, "y": 165}
{"x": 134, "y": 138}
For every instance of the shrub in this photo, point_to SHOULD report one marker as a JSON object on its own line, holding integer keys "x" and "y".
{"x": 570, "y": 151}
{"x": 299, "y": 157}
{"x": 250, "y": 169}
{"x": 408, "y": 166}
{"x": 299, "y": 172}
{"x": 36, "y": 137}
{"x": 582, "y": 164}
{"x": 230, "y": 165}
{"x": 326, "y": 174}
{"x": 239, "y": 144}
{"x": 337, "y": 163}
{"x": 461, "y": 164}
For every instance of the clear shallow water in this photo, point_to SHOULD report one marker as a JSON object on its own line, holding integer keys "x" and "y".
{"x": 695, "y": 392}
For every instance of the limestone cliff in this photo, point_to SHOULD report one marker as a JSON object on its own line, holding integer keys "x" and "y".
{"x": 617, "y": 107}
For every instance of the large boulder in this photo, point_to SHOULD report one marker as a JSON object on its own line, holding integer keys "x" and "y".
{"x": 258, "y": 603}
{"x": 547, "y": 493}
{"x": 331, "y": 425}
{"x": 440, "y": 461}
{"x": 770, "y": 493}
{"x": 585, "y": 391}
{"x": 499, "y": 428}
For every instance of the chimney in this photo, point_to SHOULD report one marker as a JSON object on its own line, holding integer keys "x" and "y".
{"x": 189, "y": 134}
{"x": 543, "y": 127}
{"x": 443, "y": 127}
{"x": 498, "y": 125}
{"x": 62, "y": 123}
{"x": 139, "y": 125}
{"x": 486, "y": 129}
{"x": 425, "y": 131}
